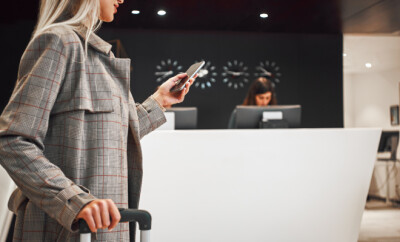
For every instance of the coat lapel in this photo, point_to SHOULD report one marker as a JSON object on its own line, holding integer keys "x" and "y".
{"x": 95, "y": 41}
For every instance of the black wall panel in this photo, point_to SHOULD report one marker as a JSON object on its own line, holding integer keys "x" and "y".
{"x": 311, "y": 68}
{"x": 15, "y": 38}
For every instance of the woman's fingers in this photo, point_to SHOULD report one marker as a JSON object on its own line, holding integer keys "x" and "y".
{"x": 105, "y": 215}
{"x": 86, "y": 214}
{"x": 189, "y": 84}
{"x": 114, "y": 214}
{"x": 97, "y": 214}
{"x": 164, "y": 94}
{"x": 178, "y": 77}
{"x": 185, "y": 90}
{"x": 187, "y": 87}
{"x": 173, "y": 81}
{"x": 91, "y": 223}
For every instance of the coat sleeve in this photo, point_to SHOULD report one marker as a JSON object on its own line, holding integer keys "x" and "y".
{"x": 23, "y": 126}
{"x": 150, "y": 115}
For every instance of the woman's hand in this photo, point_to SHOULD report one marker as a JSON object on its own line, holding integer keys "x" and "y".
{"x": 167, "y": 98}
{"x": 97, "y": 214}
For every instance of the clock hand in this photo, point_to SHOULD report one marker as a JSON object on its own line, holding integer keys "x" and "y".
{"x": 265, "y": 71}
{"x": 234, "y": 73}
{"x": 163, "y": 73}
{"x": 168, "y": 73}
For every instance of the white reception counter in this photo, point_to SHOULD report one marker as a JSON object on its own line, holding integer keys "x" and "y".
{"x": 257, "y": 185}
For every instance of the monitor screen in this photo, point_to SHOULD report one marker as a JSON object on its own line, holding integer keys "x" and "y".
{"x": 185, "y": 117}
{"x": 276, "y": 116}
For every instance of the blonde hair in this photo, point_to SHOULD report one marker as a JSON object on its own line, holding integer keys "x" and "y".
{"x": 76, "y": 14}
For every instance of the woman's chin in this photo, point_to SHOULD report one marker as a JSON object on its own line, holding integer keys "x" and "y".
{"x": 107, "y": 19}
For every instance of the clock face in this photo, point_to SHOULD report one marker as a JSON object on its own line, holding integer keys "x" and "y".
{"x": 235, "y": 74}
{"x": 167, "y": 69}
{"x": 270, "y": 70}
{"x": 206, "y": 76}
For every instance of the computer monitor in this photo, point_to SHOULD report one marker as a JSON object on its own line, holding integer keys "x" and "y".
{"x": 276, "y": 116}
{"x": 185, "y": 117}
{"x": 388, "y": 141}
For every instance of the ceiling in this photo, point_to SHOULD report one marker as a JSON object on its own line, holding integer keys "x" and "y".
{"x": 371, "y": 16}
{"x": 289, "y": 16}
{"x": 311, "y": 16}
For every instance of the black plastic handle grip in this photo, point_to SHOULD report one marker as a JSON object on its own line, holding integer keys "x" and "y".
{"x": 127, "y": 215}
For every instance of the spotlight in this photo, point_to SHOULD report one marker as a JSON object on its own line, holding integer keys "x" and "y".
{"x": 264, "y": 15}
{"x": 161, "y": 12}
{"x": 135, "y": 11}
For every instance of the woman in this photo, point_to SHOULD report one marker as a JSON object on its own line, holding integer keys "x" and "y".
{"x": 260, "y": 93}
{"x": 70, "y": 134}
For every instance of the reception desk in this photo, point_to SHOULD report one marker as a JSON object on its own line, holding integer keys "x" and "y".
{"x": 257, "y": 185}
{"x": 252, "y": 185}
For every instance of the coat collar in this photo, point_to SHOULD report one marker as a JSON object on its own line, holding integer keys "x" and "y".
{"x": 95, "y": 41}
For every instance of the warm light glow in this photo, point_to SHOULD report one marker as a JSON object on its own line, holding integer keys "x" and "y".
{"x": 161, "y": 12}
{"x": 135, "y": 11}
{"x": 368, "y": 65}
{"x": 344, "y": 54}
{"x": 264, "y": 15}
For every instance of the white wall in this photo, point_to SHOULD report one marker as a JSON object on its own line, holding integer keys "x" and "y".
{"x": 369, "y": 93}
{"x": 368, "y": 97}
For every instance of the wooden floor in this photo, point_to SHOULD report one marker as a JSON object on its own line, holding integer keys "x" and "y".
{"x": 380, "y": 223}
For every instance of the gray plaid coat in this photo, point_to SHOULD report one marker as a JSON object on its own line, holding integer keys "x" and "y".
{"x": 71, "y": 133}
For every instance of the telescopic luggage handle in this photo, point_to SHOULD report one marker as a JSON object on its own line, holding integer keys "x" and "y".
{"x": 142, "y": 217}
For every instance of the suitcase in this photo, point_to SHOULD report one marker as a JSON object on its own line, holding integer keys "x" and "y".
{"x": 142, "y": 217}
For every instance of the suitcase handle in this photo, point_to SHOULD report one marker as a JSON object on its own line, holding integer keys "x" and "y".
{"x": 127, "y": 215}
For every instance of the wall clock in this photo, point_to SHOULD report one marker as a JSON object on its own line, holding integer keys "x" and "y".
{"x": 206, "y": 76}
{"x": 167, "y": 69}
{"x": 235, "y": 74}
{"x": 270, "y": 70}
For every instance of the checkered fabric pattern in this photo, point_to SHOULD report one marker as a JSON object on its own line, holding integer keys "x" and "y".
{"x": 70, "y": 134}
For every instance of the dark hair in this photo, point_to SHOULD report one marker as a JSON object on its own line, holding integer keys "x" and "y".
{"x": 259, "y": 86}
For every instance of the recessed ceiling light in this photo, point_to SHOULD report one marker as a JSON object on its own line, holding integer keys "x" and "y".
{"x": 264, "y": 15}
{"x": 135, "y": 11}
{"x": 368, "y": 65}
{"x": 161, "y": 12}
{"x": 344, "y": 54}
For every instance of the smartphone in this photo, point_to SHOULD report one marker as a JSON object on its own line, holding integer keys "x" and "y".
{"x": 193, "y": 69}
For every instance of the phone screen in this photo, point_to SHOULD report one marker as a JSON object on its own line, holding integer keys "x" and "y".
{"x": 193, "y": 69}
